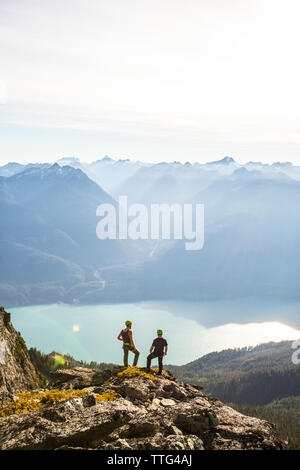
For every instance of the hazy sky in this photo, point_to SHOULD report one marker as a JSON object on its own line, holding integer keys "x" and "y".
{"x": 150, "y": 79}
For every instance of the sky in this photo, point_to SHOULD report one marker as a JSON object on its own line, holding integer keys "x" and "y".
{"x": 150, "y": 80}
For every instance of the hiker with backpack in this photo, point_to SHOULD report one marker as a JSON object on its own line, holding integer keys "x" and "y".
{"x": 158, "y": 349}
{"x": 126, "y": 336}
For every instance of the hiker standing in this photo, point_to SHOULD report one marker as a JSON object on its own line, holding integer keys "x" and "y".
{"x": 128, "y": 343}
{"x": 158, "y": 349}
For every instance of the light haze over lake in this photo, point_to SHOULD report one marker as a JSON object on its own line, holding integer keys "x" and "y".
{"x": 89, "y": 332}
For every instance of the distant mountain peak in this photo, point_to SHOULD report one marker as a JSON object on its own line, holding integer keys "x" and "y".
{"x": 106, "y": 158}
{"x": 68, "y": 160}
{"x": 223, "y": 161}
{"x": 282, "y": 164}
{"x": 50, "y": 171}
{"x": 12, "y": 164}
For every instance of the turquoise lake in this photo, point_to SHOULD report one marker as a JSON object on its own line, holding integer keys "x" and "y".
{"x": 89, "y": 332}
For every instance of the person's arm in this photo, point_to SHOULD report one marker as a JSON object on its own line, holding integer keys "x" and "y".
{"x": 119, "y": 337}
{"x": 166, "y": 349}
{"x": 151, "y": 349}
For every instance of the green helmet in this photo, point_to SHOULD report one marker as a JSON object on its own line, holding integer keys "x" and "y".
{"x": 159, "y": 332}
{"x": 128, "y": 322}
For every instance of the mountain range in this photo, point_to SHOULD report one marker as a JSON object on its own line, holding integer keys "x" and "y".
{"x": 49, "y": 250}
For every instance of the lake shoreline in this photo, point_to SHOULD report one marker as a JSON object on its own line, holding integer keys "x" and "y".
{"x": 88, "y": 332}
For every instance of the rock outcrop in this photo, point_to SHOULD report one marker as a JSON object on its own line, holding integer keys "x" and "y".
{"x": 17, "y": 373}
{"x": 130, "y": 409}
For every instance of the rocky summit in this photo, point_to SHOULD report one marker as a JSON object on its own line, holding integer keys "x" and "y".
{"x": 17, "y": 373}
{"x": 80, "y": 408}
{"x": 127, "y": 409}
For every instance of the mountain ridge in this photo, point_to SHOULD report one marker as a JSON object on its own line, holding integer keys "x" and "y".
{"x": 52, "y": 209}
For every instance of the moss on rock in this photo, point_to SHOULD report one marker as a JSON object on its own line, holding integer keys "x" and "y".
{"x": 20, "y": 349}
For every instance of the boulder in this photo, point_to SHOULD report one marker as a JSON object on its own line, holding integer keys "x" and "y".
{"x": 77, "y": 377}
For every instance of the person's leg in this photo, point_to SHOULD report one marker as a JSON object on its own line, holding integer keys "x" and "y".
{"x": 126, "y": 351}
{"x": 160, "y": 364}
{"x": 136, "y": 357}
{"x": 149, "y": 359}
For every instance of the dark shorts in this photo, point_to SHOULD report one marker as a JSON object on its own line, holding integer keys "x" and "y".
{"x": 128, "y": 348}
{"x": 155, "y": 354}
